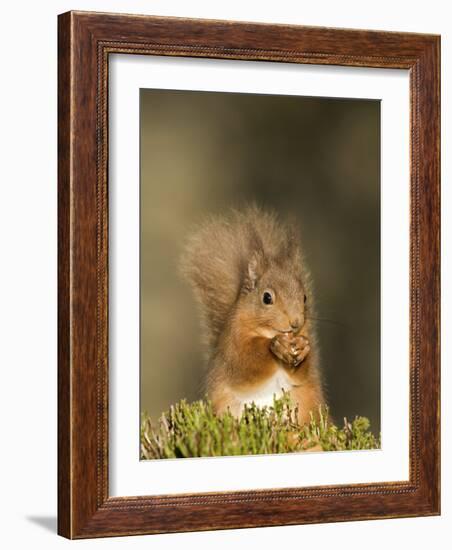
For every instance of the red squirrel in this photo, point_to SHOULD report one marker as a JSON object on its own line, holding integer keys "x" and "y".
{"x": 255, "y": 300}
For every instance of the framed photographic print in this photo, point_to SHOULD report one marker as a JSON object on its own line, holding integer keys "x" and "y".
{"x": 248, "y": 275}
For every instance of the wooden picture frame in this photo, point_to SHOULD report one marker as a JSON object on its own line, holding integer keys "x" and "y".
{"x": 85, "y": 42}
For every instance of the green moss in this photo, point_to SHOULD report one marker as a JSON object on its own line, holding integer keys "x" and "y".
{"x": 194, "y": 430}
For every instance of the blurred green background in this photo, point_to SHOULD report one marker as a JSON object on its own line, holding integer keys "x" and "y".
{"x": 319, "y": 158}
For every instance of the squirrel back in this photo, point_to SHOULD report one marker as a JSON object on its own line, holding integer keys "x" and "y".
{"x": 222, "y": 258}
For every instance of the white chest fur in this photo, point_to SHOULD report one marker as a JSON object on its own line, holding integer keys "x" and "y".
{"x": 263, "y": 395}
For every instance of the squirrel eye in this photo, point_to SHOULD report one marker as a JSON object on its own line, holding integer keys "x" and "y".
{"x": 267, "y": 298}
{"x": 305, "y": 298}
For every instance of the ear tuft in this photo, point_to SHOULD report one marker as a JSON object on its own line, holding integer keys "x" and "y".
{"x": 253, "y": 272}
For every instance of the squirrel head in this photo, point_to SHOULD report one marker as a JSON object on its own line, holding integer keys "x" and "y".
{"x": 273, "y": 297}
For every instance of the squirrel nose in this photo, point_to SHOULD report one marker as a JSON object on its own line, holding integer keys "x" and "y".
{"x": 295, "y": 324}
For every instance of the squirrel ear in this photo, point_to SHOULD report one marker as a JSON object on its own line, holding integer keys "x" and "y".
{"x": 253, "y": 272}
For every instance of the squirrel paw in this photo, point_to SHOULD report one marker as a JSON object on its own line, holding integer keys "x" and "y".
{"x": 290, "y": 349}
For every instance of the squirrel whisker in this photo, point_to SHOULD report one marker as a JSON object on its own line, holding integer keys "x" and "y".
{"x": 326, "y": 321}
